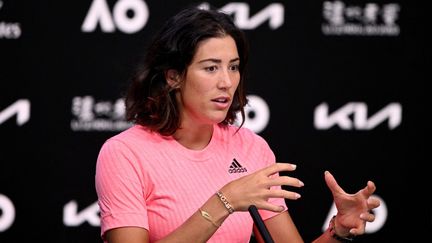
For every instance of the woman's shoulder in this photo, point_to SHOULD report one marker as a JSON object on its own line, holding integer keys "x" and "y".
{"x": 136, "y": 135}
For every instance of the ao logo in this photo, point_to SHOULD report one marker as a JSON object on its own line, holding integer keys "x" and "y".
{"x": 7, "y": 216}
{"x": 99, "y": 13}
{"x": 380, "y": 217}
{"x": 257, "y": 114}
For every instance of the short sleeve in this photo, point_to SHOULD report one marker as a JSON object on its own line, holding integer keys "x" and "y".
{"x": 120, "y": 186}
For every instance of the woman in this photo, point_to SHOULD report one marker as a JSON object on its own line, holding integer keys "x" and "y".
{"x": 183, "y": 172}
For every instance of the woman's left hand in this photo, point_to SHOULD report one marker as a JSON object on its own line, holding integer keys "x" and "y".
{"x": 354, "y": 210}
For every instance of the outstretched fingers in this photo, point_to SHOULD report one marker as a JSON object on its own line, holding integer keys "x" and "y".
{"x": 357, "y": 231}
{"x": 271, "y": 207}
{"x": 369, "y": 189}
{"x": 367, "y": 217}
{"x": 264, "y": 204}
{"x": 285, "y": 181}
{"x": 373, "y": 202}
{"x": 278, "y": 167}
{"x": 332, "y": 184}
{"x": 280, "y": 193}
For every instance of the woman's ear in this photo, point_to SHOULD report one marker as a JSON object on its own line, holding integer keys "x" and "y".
{"x": 173, "y": 78}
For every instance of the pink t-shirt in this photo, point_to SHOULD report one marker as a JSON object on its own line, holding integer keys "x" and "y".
{"x": 150, "y": 181}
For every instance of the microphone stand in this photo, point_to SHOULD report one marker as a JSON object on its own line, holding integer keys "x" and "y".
{"x": 265, "y": 234}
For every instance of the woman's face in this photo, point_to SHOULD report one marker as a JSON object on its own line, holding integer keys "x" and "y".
{"x": 210, "y": 82}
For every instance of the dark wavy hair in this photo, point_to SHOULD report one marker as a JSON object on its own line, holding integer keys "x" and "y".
{"x": 150, "y": 101}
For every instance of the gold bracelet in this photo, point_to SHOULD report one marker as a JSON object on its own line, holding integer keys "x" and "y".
{"x": 224, "y": 200}
{"x": 208, "y": 217}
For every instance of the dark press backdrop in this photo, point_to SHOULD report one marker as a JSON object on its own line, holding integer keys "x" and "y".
{"x": 333, "y": 85}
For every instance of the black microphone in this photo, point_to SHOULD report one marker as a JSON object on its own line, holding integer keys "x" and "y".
{"x": 265, "y": 234}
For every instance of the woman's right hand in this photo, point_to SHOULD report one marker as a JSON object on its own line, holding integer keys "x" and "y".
{"x": 258, "y": 187}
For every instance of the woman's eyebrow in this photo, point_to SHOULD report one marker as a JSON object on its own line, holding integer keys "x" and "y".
{"x": 217, "y": 60}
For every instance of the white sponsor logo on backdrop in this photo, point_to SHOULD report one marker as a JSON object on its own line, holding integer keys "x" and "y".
{"x": 9, "y": 30}
{"x": 20, "y": 108}
{"x": 273, "y": 13}
{"x": 72, "y": 217}
{"x": 91, "y": 215}
{"x": 380, "y": 213}
{"x": 7, "y": 213}
{"x": 98, "y": 115}
{"x": 323, "y": 120}
{"x": 92, "y": 115}
{"x": 257, "y": 114}
{"x": 99, "y": 13}
{"x": 372, "y": 19}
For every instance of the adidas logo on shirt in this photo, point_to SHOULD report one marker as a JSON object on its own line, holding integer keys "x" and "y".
{"x": 236, "y": 167}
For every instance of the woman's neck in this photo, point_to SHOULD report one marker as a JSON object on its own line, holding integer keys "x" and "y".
{"x": 194, "y": 137}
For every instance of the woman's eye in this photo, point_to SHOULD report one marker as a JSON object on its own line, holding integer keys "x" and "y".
{"x": 211, "y": 68}
{"x": 234, "y": 67}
